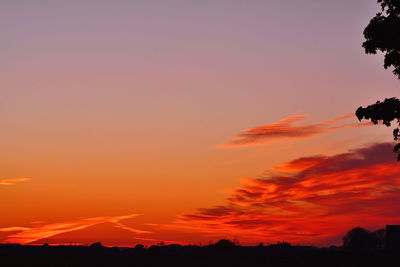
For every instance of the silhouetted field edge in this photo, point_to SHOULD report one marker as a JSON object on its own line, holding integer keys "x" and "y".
{"x": 222, "y": 253}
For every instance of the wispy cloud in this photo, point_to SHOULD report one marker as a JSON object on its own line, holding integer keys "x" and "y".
{"x": 312, "y": 200}
{"x": 287, "y": 129}
{"x": 13, "y": 229}
{"x": 27, "y": 235}
{"x": 13, "y": 181}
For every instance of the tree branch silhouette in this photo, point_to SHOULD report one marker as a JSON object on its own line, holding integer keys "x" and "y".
{"x": 383, "y": 34}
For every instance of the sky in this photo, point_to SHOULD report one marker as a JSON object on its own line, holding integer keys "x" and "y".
{"x": 131, "y": 122}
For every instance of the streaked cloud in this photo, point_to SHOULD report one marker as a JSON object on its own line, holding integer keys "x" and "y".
{"x": 13, "y": 181}
{"x": 13, "y": 229}
{"x": 311, "y": 200}
{"x": 31, "y": 234}
{"x": 288, "y": 129}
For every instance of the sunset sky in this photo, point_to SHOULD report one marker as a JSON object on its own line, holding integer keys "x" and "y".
{"x": 131, "y": 122}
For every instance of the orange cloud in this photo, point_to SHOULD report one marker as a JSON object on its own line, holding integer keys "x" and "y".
{"x": 13, "y": 181}
{"x": 311, "y": 200}
{"x": 107, "y": 233}
{"x": 286, "y": 129}
{"x": 13, "y": 229}
{"x": 27, "y": 235}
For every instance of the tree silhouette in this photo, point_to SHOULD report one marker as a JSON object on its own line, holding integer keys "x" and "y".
{"x": 224, "y": 243}
{"x": 386, "y": 112}
{"x": 383, "y": 34}
{"x": 359, "y": 239}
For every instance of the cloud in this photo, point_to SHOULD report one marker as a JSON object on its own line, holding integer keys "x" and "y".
{"x": 13, "y": 181}
{"x": 286, "y": 129}
{"x": 310, "y": 200}
{"x": 13, "y": 229}
{"x": 27, "y": 235}
{"x": 107, "y": 233}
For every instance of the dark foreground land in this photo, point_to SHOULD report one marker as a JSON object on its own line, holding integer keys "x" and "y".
{"x": 176, "y": 255}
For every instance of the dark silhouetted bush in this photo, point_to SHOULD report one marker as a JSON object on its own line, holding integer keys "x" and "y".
{"x": 359, "y": 239}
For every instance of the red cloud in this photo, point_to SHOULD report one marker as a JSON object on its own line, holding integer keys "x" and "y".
{"x": 27, "y": 235}
{"x": 311, "y": 200}
{"x": 285, "y": 129}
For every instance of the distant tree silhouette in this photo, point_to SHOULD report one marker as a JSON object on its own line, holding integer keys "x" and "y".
{"x": 383, "y": 34}
{"x": 139, "y": 246}
{"x": 359, "y": 239}
{"x": 379, "y": 236}
{"x": 96, "y": 245}
{"x": 223, "y": 253}
{"x": 224, "y": 243}
{"x": 282, "y": 244}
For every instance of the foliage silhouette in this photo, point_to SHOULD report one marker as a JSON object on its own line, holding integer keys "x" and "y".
{"x": 359, "y": 239}
{"x": 386, "y": 112}
{"x": 222, "y": 253}
{"x": 224, "y": 243}
{"x": 96, "y": 245}
{"x": 383, "y": 34}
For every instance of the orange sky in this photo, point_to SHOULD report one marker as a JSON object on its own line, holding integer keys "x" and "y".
{"x": 308, "y": 200}
{"x": 145, "y": 122}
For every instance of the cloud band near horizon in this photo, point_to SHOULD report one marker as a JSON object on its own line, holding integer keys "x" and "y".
{"x": 28, "y": 235}
{"x": 310, "y": 200}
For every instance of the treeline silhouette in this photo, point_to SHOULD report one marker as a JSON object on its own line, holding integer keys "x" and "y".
{"x": 360, "y": 248}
